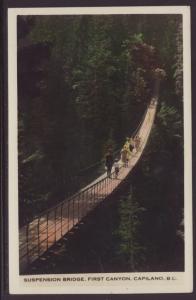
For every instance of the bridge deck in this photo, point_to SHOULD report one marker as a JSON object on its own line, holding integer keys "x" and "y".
{"x": 38, "y": 236}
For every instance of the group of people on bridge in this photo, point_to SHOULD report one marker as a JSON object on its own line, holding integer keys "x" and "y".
{"x": 130, "y": 147}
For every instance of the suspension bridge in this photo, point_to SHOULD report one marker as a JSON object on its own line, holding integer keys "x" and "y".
{"x": 36, "y": 237}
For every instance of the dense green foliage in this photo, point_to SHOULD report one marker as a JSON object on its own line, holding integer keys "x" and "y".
{"x": 83, "y": 84}
{"x": 130, "y": 250}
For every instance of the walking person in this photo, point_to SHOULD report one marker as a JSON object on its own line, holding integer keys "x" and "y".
{"x": 131, "y": 144}
{"x": 124, "y": 156}
{"x": 116, "y": 168}
{"x": 137, "y": 142}
{"x": 109, "y": 162}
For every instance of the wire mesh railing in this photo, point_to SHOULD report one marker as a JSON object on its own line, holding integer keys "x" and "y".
{"x": 46, "y": 229}
{"x": 54, "y": 223}
{"x": 85, "y": 175}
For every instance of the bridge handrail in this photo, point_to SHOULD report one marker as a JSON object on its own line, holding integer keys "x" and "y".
{"x": 69, "y": 198}
{"x": 116, "y": 151}
{"x": 54, "y": 209}
{"x": 73, "y": 207}
{"x": 46, "y": 213}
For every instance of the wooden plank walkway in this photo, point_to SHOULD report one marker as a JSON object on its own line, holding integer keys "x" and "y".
{"x": 39, "y": 235}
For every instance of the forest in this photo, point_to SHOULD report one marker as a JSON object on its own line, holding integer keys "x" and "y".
{"x": 84, "y": 83}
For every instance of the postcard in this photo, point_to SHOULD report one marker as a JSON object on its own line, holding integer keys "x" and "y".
{"x": 99, "y": 127}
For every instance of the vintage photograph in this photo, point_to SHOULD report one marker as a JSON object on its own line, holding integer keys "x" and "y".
{"x": 100, "y": 144}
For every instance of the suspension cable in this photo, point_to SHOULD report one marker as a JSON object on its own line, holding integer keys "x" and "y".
{"x": 99, "y": 162}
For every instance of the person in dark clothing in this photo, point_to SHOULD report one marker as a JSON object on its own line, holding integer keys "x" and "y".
{"x": 109, "y": 162}
{"x": 131, "y": 147}
{"x": 116, "y": 168}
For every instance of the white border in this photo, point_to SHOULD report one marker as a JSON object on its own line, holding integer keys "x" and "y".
{"x": 183, "y": 280}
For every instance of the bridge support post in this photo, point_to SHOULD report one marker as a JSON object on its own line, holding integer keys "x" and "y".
{"x": 78, "y": 207}
{"x": 47, "y": 230}
{"x": 68, "y": 214}
{"x": 73, "y": 223}
{"x": 27, "y": 241}
{"x": 38, "y": 238}
{"x": 61, "y": 220}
